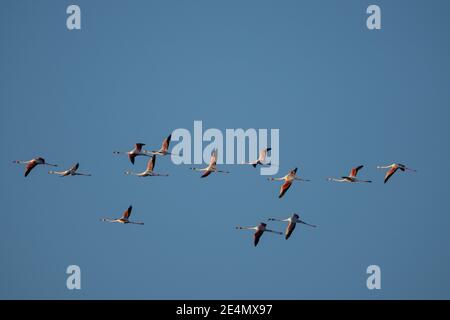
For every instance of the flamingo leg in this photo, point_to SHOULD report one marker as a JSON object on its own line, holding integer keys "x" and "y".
{"x": 246, "y": 228}
{"x": 136, "y": 222}
{"x": 281, "y": 220}
{"x": 301, "y": 179}
{"x": 276, "y": 232}
{"x": 303, "y": 222}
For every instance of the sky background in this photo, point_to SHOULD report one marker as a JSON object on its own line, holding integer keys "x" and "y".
{"x": 340, "y": 94}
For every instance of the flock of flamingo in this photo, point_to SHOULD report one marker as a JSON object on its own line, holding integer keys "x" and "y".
{"x": 259, "y": 230}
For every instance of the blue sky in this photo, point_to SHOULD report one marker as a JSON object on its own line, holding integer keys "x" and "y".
{"x": 340, "y": 94}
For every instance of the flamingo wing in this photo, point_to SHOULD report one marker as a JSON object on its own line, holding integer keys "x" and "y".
{"x": 293, "y": 172}
{"x": 285, "y": 187}
{"x": 354, "y": 171}
{"x": 390, "y": 173}
{"x": 256, "y": 236}
{"x": 127, "y": 213}
{"x": 207, "y": 173}
{"x": 151, "y": 163}
{"x": 74, "y": 167}
{"x": 166, "y": 142}
{"x": 30, "y": 167}
{"x": 138, "y": 146}
{"x": 263, "y": 153}
{"x": 213, "y": 160}
{"x": 290, "y": 228}
{"x": 131, "y": 156}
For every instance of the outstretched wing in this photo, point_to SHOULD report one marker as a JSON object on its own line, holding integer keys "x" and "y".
{"x": 263, "y": 153}
{"x": 390, "y": 173}
{"x": 74, "y": 167}
{"x": 354, "y": 171}
{"x": 138, "y": 146}
{"x": 207, "y": 173}
{"x": 293, "y": 172}
{"x": 213, "y": 160}
{"x": 131, "y": 157}
{"x": 151, "y": 163}
{"x": 166, "y": 142}
{"x": 256, "y": 236}
{"x": 290, "y": 228}
{"x": 285, "y": 187}
{"x": 30, "y": 166}
{"x": 127, "y": 212}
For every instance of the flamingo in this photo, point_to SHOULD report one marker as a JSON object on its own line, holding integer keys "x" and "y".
{"x": 212, "y": 167}
{"x": 124, "y": 218}
{"x": 288, "y": 179}
{"x": 31, "y": 164}
{"x": 393, "y": 169}
{"x": 259, "y": 230}
{"x": 70, "y": 172}
{"x": 149, "y": 170}
{"x": 164, "y": 147}
{"x": 136, "y": 151}
{"x": 351, "y": 177}
{"x": 293, "y": 220}
{"x": 262, "y": 158}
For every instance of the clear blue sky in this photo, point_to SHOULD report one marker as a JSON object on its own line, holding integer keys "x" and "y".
{"x": 340, "y": 94}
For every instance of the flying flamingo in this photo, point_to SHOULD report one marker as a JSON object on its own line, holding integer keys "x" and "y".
{"x": 149, "y": 170}
{"x": 136, "y": 151}
{"x": 164, "y": 147}
{"x": 351, "y": 177}
{"x": 259, "y": 230}
{"x": 288, "y": 179}
{"x": 293, "y": 220}
{"x": 70, "y": 172}
{"x": 212, "y": 167}
{"x": 31, "y": 164}
{"x": 393, "y": 169}
{"x": 262, "y": 158}
{"x": 124, "y": 218}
